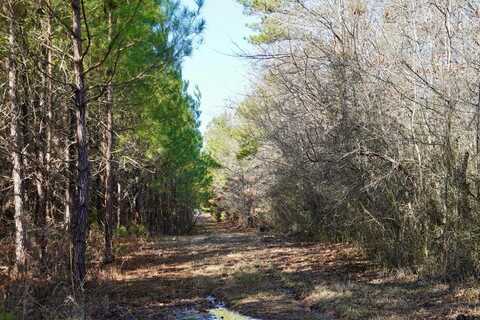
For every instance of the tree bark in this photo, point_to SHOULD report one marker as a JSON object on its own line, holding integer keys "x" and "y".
{"x": 16, "y": 144}
{"x": 108, "y": 221}
{"x": 41, "y": 217}
{"x": 69, "y": 155}
{"x": 477, "y": 144}
{"x": 49, "y": 106}
{"x": 44, "y": 150}
{"x": 80, "y": 214}
{"x": 119, "y": 204}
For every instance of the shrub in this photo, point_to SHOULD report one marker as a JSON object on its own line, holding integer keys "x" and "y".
{"x": 121, "y": 232}
{"x": 138, "y": 230}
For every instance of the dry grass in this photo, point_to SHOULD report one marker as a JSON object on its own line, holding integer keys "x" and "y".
{"x": 264, "y": 277}
{"x": 272, "y": 278}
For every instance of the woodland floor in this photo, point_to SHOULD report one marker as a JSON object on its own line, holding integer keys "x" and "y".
{"x": 267, "y": 278}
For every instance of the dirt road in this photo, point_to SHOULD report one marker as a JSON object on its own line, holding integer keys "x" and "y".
{"x": 268, "y": 278}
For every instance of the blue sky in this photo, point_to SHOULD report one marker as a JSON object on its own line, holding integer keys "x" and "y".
{"x": 220, "y": 76}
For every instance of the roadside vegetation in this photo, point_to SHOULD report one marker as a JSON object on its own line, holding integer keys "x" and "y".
{"x": 362, "y": 126}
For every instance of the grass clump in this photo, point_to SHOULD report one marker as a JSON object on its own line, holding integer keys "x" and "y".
{"x": 6, "y": 315}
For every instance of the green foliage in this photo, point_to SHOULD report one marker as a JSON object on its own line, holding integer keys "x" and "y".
{"x": 222, "y": 147}
{"x": 248, "y": 147}
{"x": 121, "y": 232}
{"x": 265, "y": 6}
{"x": 268, "y": 29}
{"x": 6, "y": 315}
{"x": 219, "y": 135}
{"x": 163, "y": 118}
{"x": 138, "y": 230}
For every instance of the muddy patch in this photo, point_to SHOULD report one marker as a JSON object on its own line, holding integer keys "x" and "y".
{"x": 218, "y": 311}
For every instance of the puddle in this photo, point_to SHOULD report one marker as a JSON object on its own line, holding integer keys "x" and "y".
{"x": 213, "y": 314}
{"x": 223, "y": 313}
{"x": 217, "y": 312}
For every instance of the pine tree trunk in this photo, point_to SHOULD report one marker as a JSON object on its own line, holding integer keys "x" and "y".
{"x": 44, "y": 151}
{"x": 70, "y": 165}
{"x": 49, "y": 106}
{"x": 119, "y": 204}
{"x": 41, "y": 218}
{"x": 108, "y": 221}
{"x": 80, "y": 214}
{"x": 477, "y": 143}
{"x": 16, "y": 144}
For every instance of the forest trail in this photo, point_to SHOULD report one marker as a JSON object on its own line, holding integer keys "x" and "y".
{"x": 266, "y": 278}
